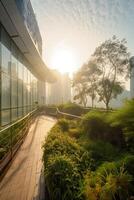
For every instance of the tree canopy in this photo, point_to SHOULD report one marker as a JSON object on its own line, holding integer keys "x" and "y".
{"x": 104, "y": 73}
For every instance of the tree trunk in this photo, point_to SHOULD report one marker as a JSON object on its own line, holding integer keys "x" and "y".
{"x": 92, "y": 102}
{"x": 85, "y": 103}
{"x": 107, "y": 106}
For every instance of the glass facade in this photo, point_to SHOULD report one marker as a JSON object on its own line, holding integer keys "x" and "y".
{"x": 26, "y": 11}
{"x": 18, "y": 92}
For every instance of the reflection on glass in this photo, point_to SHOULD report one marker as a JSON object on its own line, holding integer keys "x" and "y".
{"x": 5, "y": 52}
{"x": 5, "y": 93}
{"x": 14, "y": 67}
{"x": 20, "y": 112}
{"x": 14, "y": 93}
{"x": 14, "y": 114}
{"x": 5, "y": 117}
{"x": 18, "y": 85}
{"x": 25, "y": 87}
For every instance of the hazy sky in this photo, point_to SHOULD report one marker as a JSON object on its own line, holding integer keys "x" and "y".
{"x": 80, "y": 25}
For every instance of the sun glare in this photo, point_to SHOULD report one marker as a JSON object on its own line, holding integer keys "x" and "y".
{"x": 64, "y": 60}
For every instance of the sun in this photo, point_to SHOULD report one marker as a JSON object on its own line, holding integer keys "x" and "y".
{"x": 64, "y": 60}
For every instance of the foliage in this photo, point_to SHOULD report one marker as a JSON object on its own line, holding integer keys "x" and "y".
{"x": 124, "y": 117}
{"x": 112, "y": 59}
{"x": 62, "y": 178}
{"x": 104, "y": 90}
{"x": 92, "y": 74}
{"x": 108, "y": 183}
{"x": 97, "y": 127}
{"x": 128, "y": 162}
{"x": 71, "y": 108}
{"x": 58, "y": 144}
{"x": 89, "y": 160}
{"x": 65, "y": 163}
{"x": 101, "y": 75}
{"x": 94, "y": 125}
{"x": 102, "y": 151}
{"x": 75, "y": 133}
{"x": 85, "y": 82}
{"x": 64, "y": 124}
{"x": 80, "y": 87}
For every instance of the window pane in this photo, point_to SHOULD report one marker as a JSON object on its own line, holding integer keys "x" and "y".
{"x": 5, "y": 117}
{"x": 29, "y": 88}
{"x": 5, "y": 51}
{"x": 34, "y": 90}
{"x": 20, "y": 90}
{"x": 20, "y": 84}
{"x": 5, "y": 97}
{"x": 14, "y": 61}
{"x": 14, "y": 114}
{"x": 20, "y": 70}
{"x": 20, "y": 112}
{"x": 25, "y": 110}
{"x": 25, "y": 87}
{"x": 14, "y": 93}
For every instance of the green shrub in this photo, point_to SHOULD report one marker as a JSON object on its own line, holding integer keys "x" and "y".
{"x": 75, "y": 133}
{"x": 64, "y": 161}
{"x": 97, "y": 127}
{"x": 71, "y": 108}
{"x": 124, "y": 118}
{"x": 69, "y": 152}
{"x": 108, "y": 183}
{"x": 128, "y": 162}
{"x": 62, "y": 178}
{"x": 61, "y": 144}
{"x": 101, "y": 151}
{"x": 58, "y": 144}
{"x": 64, "y": 124}
{"x": 94, "y": 125}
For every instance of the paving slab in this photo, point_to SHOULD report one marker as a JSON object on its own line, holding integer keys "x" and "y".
{"x": 24, "y": 179}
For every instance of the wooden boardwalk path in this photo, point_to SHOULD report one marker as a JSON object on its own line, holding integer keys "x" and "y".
{"x": 24, "y": 180}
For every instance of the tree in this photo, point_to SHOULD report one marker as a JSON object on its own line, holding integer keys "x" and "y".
{"x": 91, "y": 75}
{"x": 80, "y": 88}
{"x": 104, "y": 91}
{"x": 112, "y": 59}
{"x": 85, "y": 82}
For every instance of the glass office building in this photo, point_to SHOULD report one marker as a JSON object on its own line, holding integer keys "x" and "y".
{"x": 22, "y": 70}
{"x": 18, "y": 84}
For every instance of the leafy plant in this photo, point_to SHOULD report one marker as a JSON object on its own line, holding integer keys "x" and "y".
{"x": 128, "y": 162}
{"x": 102, "y": 151}
{"x": 64, "y": 124}
{"x": 108, "y": 183}
{"x": 97, "y": 127}
{"x": 94, "y": 125}
{"x": 62, "y": 178}
{"x": 71, "y": 108}
{"x": 124, "y": 118}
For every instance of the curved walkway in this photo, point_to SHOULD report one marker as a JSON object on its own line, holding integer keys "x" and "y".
{"x": 23, "y": 180}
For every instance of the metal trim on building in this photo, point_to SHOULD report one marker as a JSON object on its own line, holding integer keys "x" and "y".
{"x": 13, "y": 22}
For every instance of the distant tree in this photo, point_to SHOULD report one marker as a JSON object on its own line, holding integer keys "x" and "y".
{"x": 104, "y": 90}
{"x": 85, "y": 82}
{"x": 91, "y": 74}
{"x": 80, "y": 88}
{"x": 112, "y": 59}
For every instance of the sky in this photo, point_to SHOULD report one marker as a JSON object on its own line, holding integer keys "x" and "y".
{"x": 79, "y": 26}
